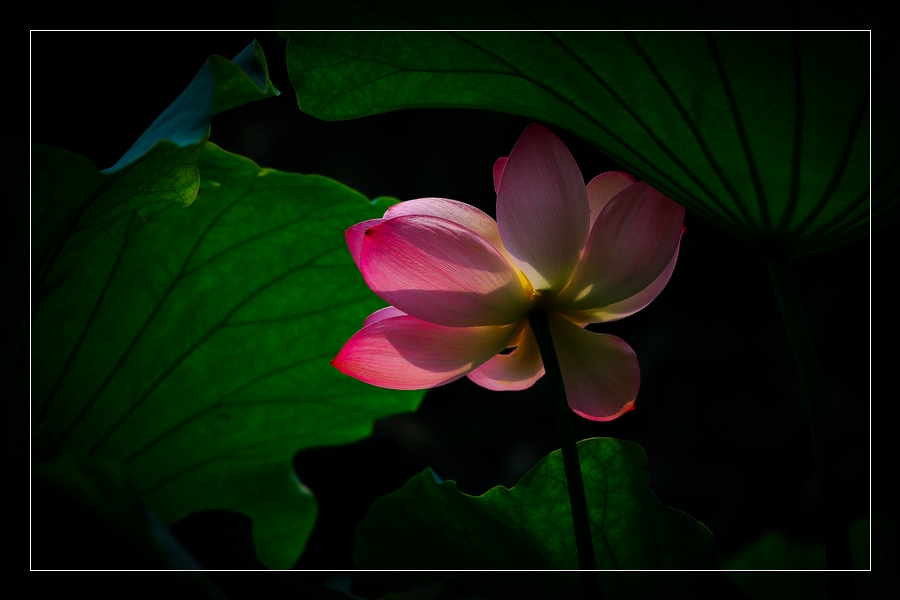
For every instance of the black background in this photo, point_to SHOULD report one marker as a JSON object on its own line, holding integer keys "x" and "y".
{"x": 719, "y": 411}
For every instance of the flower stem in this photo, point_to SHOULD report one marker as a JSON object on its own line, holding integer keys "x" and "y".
{"x": 574, "y": 481}
{"x": 832, "y": 520}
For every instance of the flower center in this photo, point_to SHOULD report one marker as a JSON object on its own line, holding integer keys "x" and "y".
{"x": 540, "y": 297}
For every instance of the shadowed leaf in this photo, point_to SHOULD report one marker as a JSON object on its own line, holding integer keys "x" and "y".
{"x": 92, "y": 506}
{"x": 430, "y": 525}
{"x": 770, "y": 566}
{"x": 763, "y": 134}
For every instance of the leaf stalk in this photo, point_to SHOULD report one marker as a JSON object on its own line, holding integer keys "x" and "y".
{"x": 832, "y": 519}
{"x": 574, "y": 480}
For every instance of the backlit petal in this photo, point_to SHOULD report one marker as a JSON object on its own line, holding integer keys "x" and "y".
{"x": 515, "y": 371}
{"x": 600, "y": 371}
{"x": 631, "y": 243}
{"x": 602, "y": 188}
{"x": 405, "y": 353}
{"x": 499, "y": 165}
{"x": 458, "y": 212}
{"x": 442, "y": 272}
{"x": 382, "y": 314}
{"x": 542, "y": 209}
{"x": 354, "y": 237}
{"x": 629, "y": 306}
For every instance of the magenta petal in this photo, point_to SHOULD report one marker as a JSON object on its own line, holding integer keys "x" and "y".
{"x": 499, "y": 165}
{"x": 515, "y": 371}
{"x": 442, "y": 272}
{"x": 629, "y": 306}
{"x": 388, "y": 312}
{"x": 354, "y": 237}
{"x": 600, "y": 371}
{"x": 458, "y": 212}
{"x": 542, "y": 209}
{"x": 602, "y": 188}
{"x": 405, "y": 353}
{"x": 631, "y": 244}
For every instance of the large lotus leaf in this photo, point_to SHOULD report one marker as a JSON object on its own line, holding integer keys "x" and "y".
{"x": 192, "y": 346}
{"x": 764, "y": 134}
{"x": 430, "y": 525}
{"x": 72, "y": 203}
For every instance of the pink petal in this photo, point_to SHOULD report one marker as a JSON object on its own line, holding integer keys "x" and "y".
{"x": 382, "y": 314}
{"x": 354, "y": 237}
{"x": 498, "y": 172}
{"x": 405, "y": 353}
{"x": 600, "y": 371}
{"x": 629, "y": 306}
{"x": 631, "y": 244}
{"x": 442, "y": 272}
{"x": 542, "y": 209}
{"x": 458, "y": 212}
{"x": 515, "y": 371}
{"x": 602, "y": 188}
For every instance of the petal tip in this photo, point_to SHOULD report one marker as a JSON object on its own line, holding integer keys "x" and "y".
{"x": 499, "y": 166}
{"x": 339, "y": 365}
{"x": 627, "y": 407}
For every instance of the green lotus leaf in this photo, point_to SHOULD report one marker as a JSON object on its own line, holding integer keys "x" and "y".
{"x": 72, "y": 203}
{"x": 191, "y": 346}
{"x": 765, "y": 135}
{"x": 430, "y": 525}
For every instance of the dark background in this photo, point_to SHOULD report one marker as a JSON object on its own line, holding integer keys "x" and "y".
{"x": 719, "y": 411}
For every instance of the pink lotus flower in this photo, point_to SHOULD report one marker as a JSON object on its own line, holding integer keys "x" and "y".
{"x": 461, "y": 285}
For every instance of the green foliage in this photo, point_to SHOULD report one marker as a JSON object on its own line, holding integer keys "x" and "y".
{"x": 219, "y": 85}
{"x": 73, "y": 204}
{"x": 191, "y": 347}
{"x": 763, "y": 134}
{"x": 427, "y": 525}
{"x": 753, "y": 567}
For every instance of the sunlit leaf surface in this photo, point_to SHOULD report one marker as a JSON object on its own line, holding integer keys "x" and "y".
{"x": 192, "y": 345}
{"x": 431, "y": 525}
{"x": 764, "y": 134}
{"x": 72, "y": 204}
